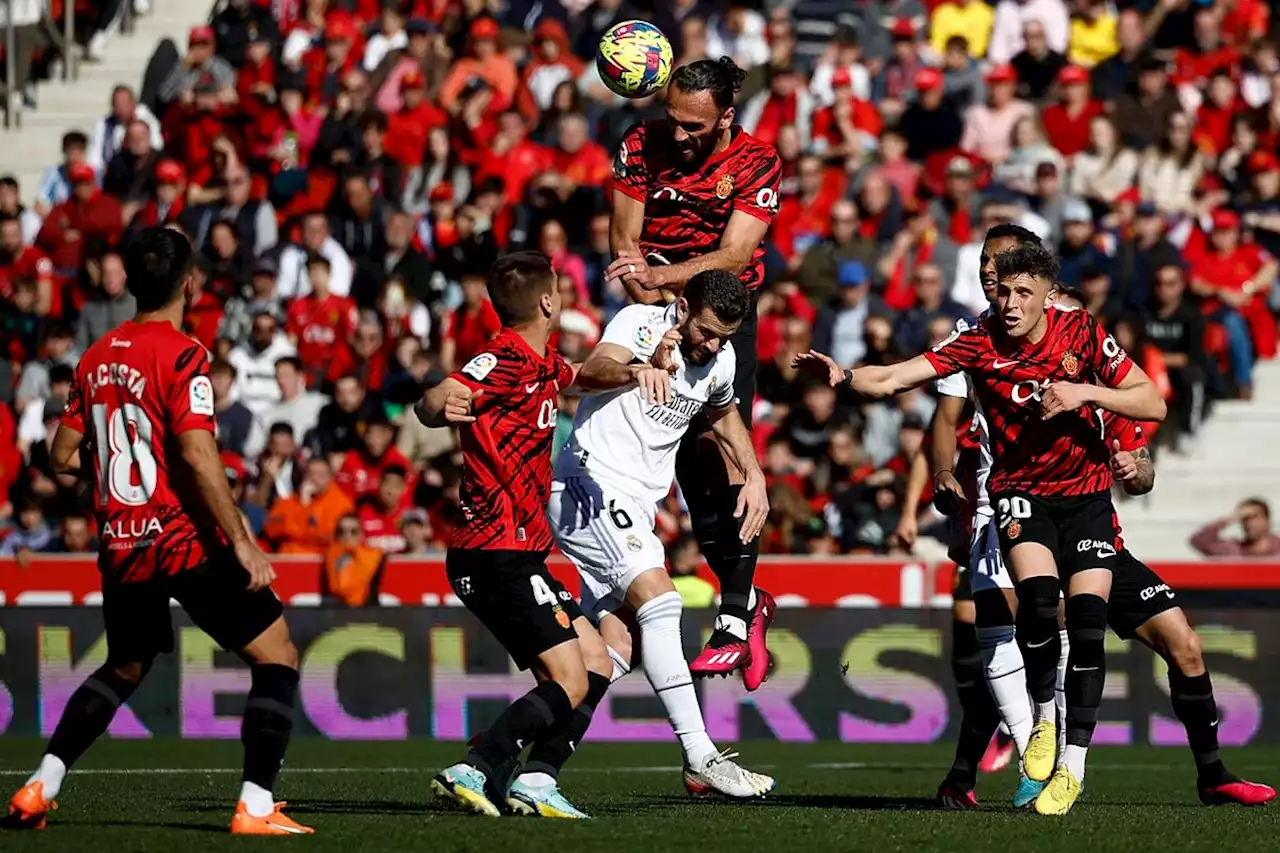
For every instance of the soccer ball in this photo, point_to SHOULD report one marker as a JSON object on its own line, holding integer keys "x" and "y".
{"x": 634, "y": 59}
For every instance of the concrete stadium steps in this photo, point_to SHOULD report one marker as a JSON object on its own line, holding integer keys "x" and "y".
{"x": 77, "y": 104}
{"x": 1237, "y": 456}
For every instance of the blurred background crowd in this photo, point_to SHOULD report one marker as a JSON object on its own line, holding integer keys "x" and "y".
{"x": 349, "y": 168}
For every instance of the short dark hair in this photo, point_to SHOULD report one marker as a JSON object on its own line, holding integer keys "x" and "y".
{"x": 318, "y": 260}
{"x": 1030, "y": 259}
{"x": 61, "y": 373}
{"x": 281, "y": 428}
{"x": 1010, "y": 229}
{"x": 157, "y": 262}
{"x": 1260, "y": 503}
{"x": 722, "y": 292}
{"x": 74, "y": 139}
{"x": 1067, "y": 293}
{"x": 221, "y": 366}
{"x": 397, "y": 470}
{"x": 722, "y": 78}
{"x": 516, "y": 282}
{"x": 9, "y": 181}
{"x": 291, "y": 360}
{"x": 375, "y": 120}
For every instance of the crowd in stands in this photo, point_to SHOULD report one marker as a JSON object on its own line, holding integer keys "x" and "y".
{"x": 349, "y": 168}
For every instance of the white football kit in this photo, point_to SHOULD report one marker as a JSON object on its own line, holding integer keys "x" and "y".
{"x": 620, "y": 460}
{"x": 986, "y": 564}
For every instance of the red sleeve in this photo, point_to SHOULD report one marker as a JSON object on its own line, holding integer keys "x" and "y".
{"x": 1124, "y": 430}
{"x": 564, "y": 372}
{"x": 960, "y": 351}
{"x": 493, "y": 370}
{"x": 73, "y": 414}
{"x": 630, "y": 172}
{"x": 759, "y": 193}
{"x": 1107, "y": 358}
{"x": 191, "y": 395}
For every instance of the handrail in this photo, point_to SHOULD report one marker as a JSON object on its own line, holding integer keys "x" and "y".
{"x": 63, "y": 41}
{"x": 12, "y": 117}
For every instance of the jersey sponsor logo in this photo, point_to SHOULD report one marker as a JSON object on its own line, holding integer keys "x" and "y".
{"x": 462, "y": 585}
{"x": 767, "y": 199}
{"x": 547, "y": 415}
{"x": 142, "y": 529}
{"x": 724, "y": 187}
{"x": 668, "y": 194}
{"x": 1152, "y": 591}
{"x": 480, "y": 366}
{"x": 1028, "y": 390}
{"x": 201, "y": 394}
{"x": 1104, "y": 549}
{"x": 1113, "y": 351}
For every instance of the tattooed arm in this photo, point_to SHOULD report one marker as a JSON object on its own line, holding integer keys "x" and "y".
{"x": 1135, "y": 470}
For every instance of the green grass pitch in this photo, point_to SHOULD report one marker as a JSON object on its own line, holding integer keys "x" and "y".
{"x": 169, "y": 795}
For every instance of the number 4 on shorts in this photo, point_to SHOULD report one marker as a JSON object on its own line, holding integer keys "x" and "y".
{"x": 542, "y": 593}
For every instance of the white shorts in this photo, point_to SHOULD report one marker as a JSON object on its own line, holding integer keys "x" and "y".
{"x": 986, "y": 565}
{"x": 608, "y": 535}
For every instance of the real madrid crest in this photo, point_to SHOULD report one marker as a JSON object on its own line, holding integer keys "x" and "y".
{"x": 1070, "y": 363}
{"x": 1014, "y": 530}
{"x": 724, "y": 187}
{"x": 634, "y": 543}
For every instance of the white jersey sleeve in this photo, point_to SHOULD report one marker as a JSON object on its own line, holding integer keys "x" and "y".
{"x": 637, "y": 328}
{"x": 722, "y": 394}
{"x": 957, "y": 384}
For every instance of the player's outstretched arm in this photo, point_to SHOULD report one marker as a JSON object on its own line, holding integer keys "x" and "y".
{"x": 626, "y": 223}
{"x": 753, "y": 503}
{"x": 875, "y": 381}
{"x": 200, "y": 451}
{"x": 447, "y": 404}
{"x": 610, "y": 367}
{"x": 64, "y": 456}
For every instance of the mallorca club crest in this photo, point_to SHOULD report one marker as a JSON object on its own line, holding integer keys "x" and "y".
{"x": 562, "y": 618}
{"x": 724, "y": 187}
{"x": 1014, "y": 530}
{"x": 1070, "y": 363}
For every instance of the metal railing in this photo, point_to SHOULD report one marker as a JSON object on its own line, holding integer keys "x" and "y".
{"x": 62, "y": 40}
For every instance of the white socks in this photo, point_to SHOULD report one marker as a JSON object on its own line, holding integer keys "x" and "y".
{"x": 662, "y": 657}
{"x": 257, "y": 800}
{"x": 537, "y": 780}
{"x": 51, "y": 772}
{"x": 1007, "y": 678}
{"x": 1060, "y": 693}
{"x": 735, "y": 626}
{"x": 621, "y": 666}
{"x": 1073, "y": 758}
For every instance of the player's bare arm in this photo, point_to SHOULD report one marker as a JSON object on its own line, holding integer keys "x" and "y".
{"x": 447, "y": 404}
{"x": 610, "y": 366}
{"x": 64, "y": 456}
{"x": 1135, "y": 396}
{"x": 876, "y": 381}
{"x": 753, "y": 502}
{"x": 909, "y": 525}
{"x": 741, "y": 237}
{"x": 200, "y": 451}
{"x": 948, "y": 494}
{"x": 1135, "y": 471}
{"x": 625, "y": 226}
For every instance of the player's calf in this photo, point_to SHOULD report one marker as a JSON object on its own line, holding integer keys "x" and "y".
{"x": 1086, "y": 675}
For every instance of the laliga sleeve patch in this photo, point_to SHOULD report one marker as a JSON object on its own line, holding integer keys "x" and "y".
{"x": 646, "y": 337}
{"x": 201, "y": 394}
{"x": 480, "y": 366}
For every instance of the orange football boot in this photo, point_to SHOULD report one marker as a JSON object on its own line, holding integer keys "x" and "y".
{"x": 28, "y": 808}
{"x": 276, "y": 823}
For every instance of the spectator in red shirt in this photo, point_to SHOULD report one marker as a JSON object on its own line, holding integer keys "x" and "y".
{"x": 362, "y": 468}
{"x": 805, "y": 218}
{"x": 203, "y": 314}
{"x": 320, "y": 323}
{"x": 88, "y": 213}
{"x": 485, "y": 61}
{"x": 366, "y": 358}
{"x": 382, "y": 512}
{"x": 786, "y": 102}
{"x": 407, "y": 130}
{"x": 551, "y": 64}
{"x": 513, "y": 157}
{"x": 1212, "y": 134}
{"x": 1066, "y": 124}
{"x": 1234, "y": 278}
{"x": 471, "y": 326}
{"x": 848, "y": 127}
{"x": 19, "y": 262}
{"x": 578, "y": 160}
{"x": 169, "y": 202}
{"x": 325, "y": 67}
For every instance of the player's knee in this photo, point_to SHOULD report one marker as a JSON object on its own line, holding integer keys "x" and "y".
{"x": 1038, "y": 599}
{"x": 661, "y": 610}
{"x": 574, "y": 683}
{"x": 1086, "y": 619}
{"x": 1184, "y": 651}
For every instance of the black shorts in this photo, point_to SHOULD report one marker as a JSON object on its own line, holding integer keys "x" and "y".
{"x": 1137, "y": 594}
{"x": 515, "y": 597}
{"x": 215, "y": 595}
{"x": 1081, "y": 531}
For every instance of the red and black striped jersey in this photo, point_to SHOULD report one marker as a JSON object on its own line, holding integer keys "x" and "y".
{"x": 1060, "y": 456}
{"x": 136, "y": 390}
{"x": 686, "y": 208}
{"x": 1115, "y": 427}
{"x": 506, "y": 452}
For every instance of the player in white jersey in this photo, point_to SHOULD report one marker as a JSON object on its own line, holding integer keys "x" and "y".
{"x": 620, "y": 461}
